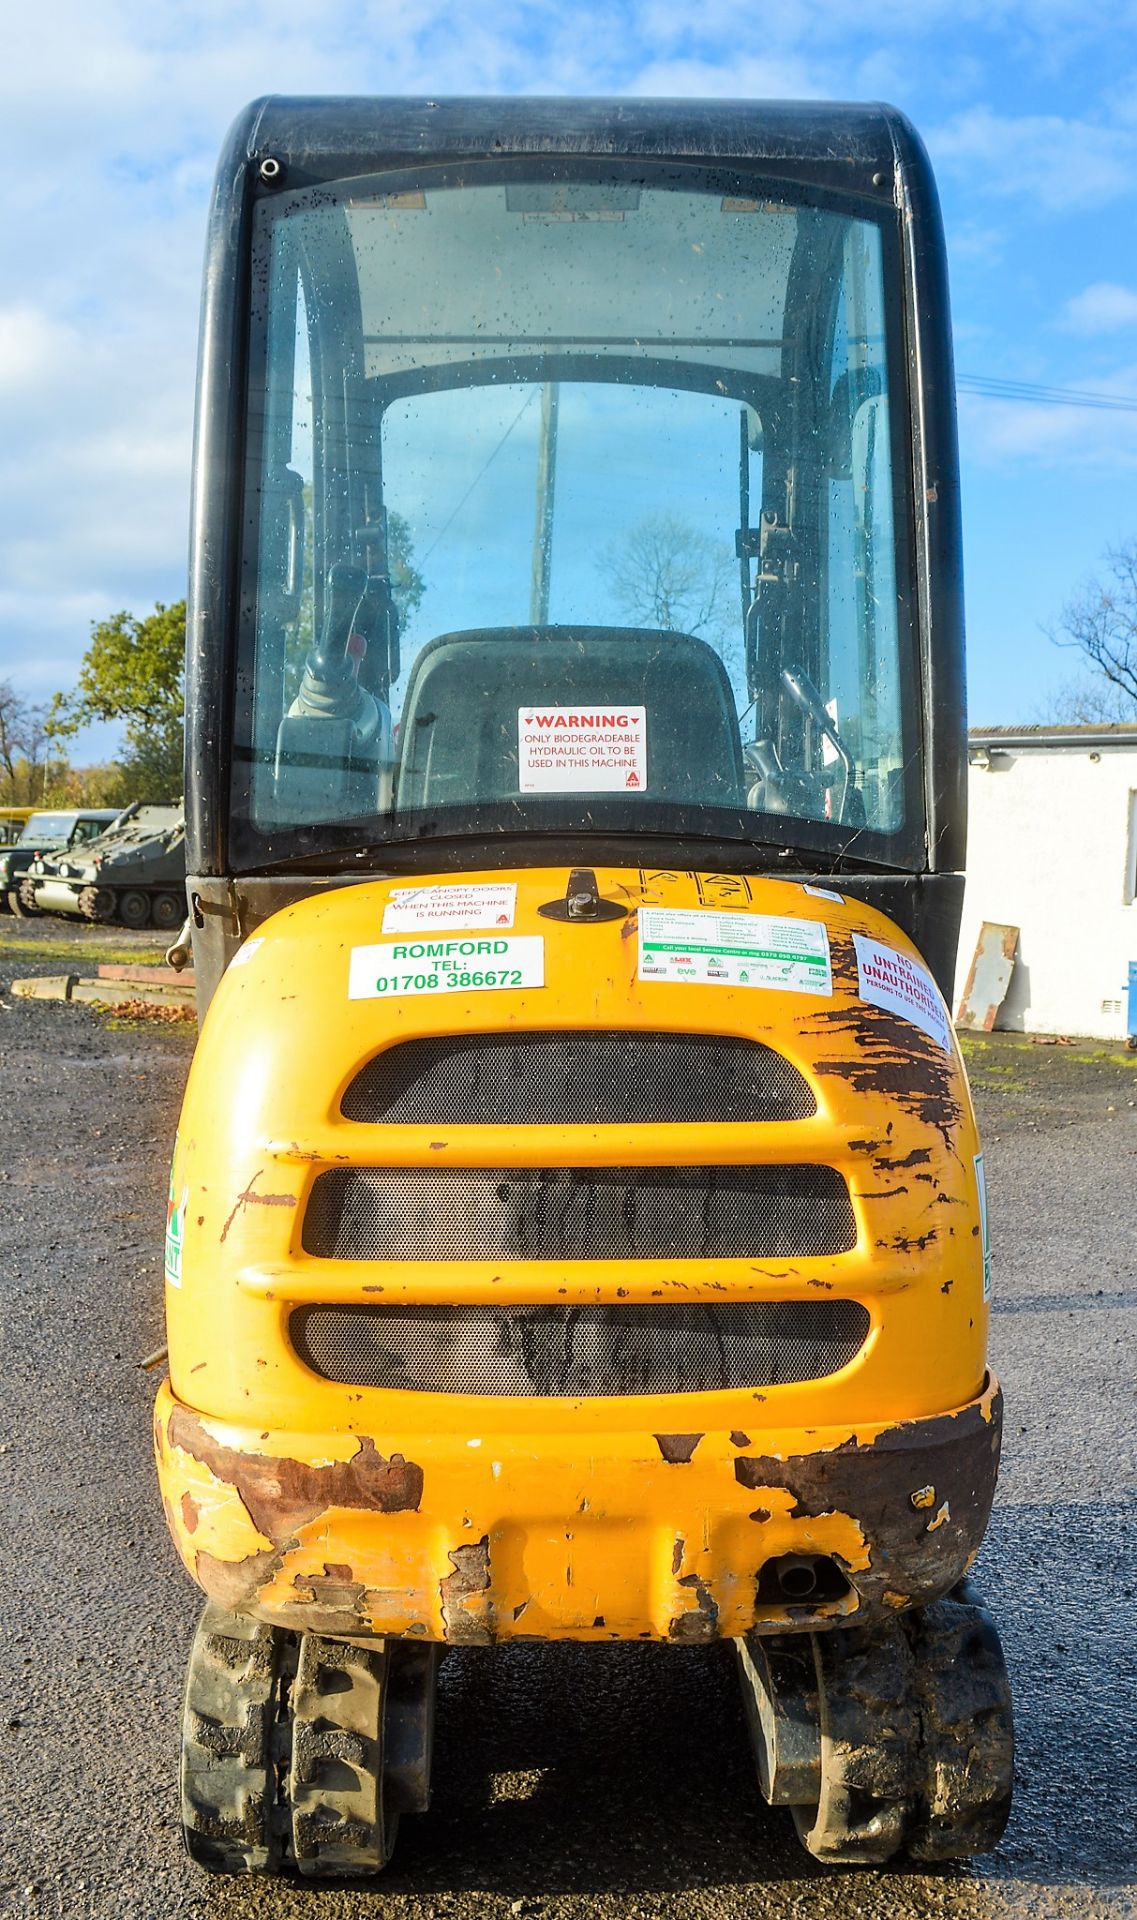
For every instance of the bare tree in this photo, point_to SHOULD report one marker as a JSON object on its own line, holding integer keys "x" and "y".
{"x": 664, "y": 573}
{"x": 1088, "y": 702}
{"x": 23, "y": 744}
{"x": 1101, "y": 622}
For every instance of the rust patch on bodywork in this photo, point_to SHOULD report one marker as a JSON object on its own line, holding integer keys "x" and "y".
{"x": 342, "y": 1601}
{"x": 250, "y": 1199}
{"x": 702, "y": 1621}
{"x": 678, "y": 1449}
{"x": 465, "y": 1610}
{"x": 872, "y": 1483}
{"x": 281, "y": 1495}
{"x": 235, "y": 1583}
{"x": 887, "y": 1056}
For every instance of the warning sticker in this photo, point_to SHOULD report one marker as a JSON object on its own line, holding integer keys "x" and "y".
{"x": 981, "y": 1184}
{"x": 582, "y": 749}
{"x": 426, "y": 909}
{"x": 734, "y": 950}
{"x": 398, "y": 968}
{"x": 886, "y": 978}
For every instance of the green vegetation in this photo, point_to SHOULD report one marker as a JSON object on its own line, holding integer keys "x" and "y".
{"x": 71, "y": 955}
{"x": 134, "y": 671}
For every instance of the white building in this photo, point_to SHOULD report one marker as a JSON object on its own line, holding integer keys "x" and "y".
{"x": 1052, "y": 850}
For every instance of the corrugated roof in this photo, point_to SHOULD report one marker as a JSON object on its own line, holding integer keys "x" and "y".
{"x": 1095, "y": 734}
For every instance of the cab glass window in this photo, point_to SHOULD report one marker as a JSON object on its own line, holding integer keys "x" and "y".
{"x": 576, "y": 505}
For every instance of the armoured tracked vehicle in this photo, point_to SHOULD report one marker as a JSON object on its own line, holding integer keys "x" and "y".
{"x": 134, "y": 874}
{"x": 43, "y": 833}
{"x": 576, "y": 1226}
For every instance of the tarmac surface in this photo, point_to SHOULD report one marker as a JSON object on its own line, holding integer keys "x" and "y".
{"x": 568, "y": 1782}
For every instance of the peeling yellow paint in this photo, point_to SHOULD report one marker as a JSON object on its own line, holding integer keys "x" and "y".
{"x": 578, "y": 1506}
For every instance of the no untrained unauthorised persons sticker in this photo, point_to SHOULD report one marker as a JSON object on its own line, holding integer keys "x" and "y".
{"x": 396, "y": 968}
{"x": 734, "y": 950}
{"x": 886, "y": 978}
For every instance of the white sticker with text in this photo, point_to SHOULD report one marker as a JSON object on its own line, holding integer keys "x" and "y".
{"x": 734, "y": 950}
{"x": 582, "y": 749}
{"x": 886, "y": 978}
{"x": 244, "y": 954}
{"x": 823, "y": 893}
{"x": 400, "y": 967}
{"x": 429, "y": 909}
{"x": 981, "y": 1183}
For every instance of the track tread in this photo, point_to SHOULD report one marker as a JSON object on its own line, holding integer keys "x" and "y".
{"x": 340, "y": 1823}
{"x": 968, "y": 1731}
{"x": 916, "y": 1738}
{"x": 231, "y": 1706}
{"x": 869, "y": 1736}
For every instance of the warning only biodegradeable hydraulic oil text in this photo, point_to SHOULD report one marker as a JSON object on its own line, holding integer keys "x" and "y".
{"x": 582, "y": 749}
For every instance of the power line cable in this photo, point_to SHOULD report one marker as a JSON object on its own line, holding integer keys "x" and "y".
{"x": 991, "y": 389}
{"x": 480, "y": 475}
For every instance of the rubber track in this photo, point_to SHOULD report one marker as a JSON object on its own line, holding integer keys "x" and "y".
{"x": 340, "y": 1825}
{"x": 869, "y": 1745}
{"x": 232, "y": 1702}
{"x": 917, "y": 1741}
{"x": 967, "y": 1731}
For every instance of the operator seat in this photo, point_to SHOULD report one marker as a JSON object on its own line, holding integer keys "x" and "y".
{"x": 459, "y": 732}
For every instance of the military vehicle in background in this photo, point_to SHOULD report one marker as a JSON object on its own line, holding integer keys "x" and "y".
{"x": 135, "y": 873}
{"x": 61, "y": 832}
{"x": 13, "y": 820}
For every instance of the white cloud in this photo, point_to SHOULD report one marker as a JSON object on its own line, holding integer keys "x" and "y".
{"x": 1001, "y": 433}
{"x": 117, "y": 112}
{"x": 1061, "y": 164}
{"x": 31, "y": 347}
{"x": 748, "y": 77}
{"x": 1103, "y": 307}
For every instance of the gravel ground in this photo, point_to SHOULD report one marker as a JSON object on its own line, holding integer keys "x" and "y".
{"x": 568, "y": 1782}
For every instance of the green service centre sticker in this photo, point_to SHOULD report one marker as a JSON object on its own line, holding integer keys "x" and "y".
{"x": 395, "y": 969}
{"x": 699, "y": 947}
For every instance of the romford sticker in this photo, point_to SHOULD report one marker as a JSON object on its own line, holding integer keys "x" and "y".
{"x": 428, "y": 909}
{"x": 397, "y": 968}
{"x": 734, "y": 950}
{"x": 585, "y": 748}
{"x": 886, "y": 978}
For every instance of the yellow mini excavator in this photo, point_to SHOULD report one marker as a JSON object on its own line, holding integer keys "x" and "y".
{"x": 576, "y": 1225}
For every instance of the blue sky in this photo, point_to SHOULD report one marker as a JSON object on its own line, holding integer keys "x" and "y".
{"x": 114, "y": 116}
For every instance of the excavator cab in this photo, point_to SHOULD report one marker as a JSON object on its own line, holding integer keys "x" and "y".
{"x": 576, "y": 1224}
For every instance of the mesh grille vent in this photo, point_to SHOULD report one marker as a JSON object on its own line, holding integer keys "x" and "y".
{"x": 578, "y": 1213}
{"x": 580, "y": 1352}
{"x": 577, "y": 1079}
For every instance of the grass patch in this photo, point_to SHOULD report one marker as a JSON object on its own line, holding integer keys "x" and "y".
{"x": 140, "y": 1016}
{"x": 89, "y": 953}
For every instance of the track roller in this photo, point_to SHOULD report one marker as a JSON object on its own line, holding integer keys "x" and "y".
{"x": 300, "y": 1751}
{"x": 886, "y": 1740}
